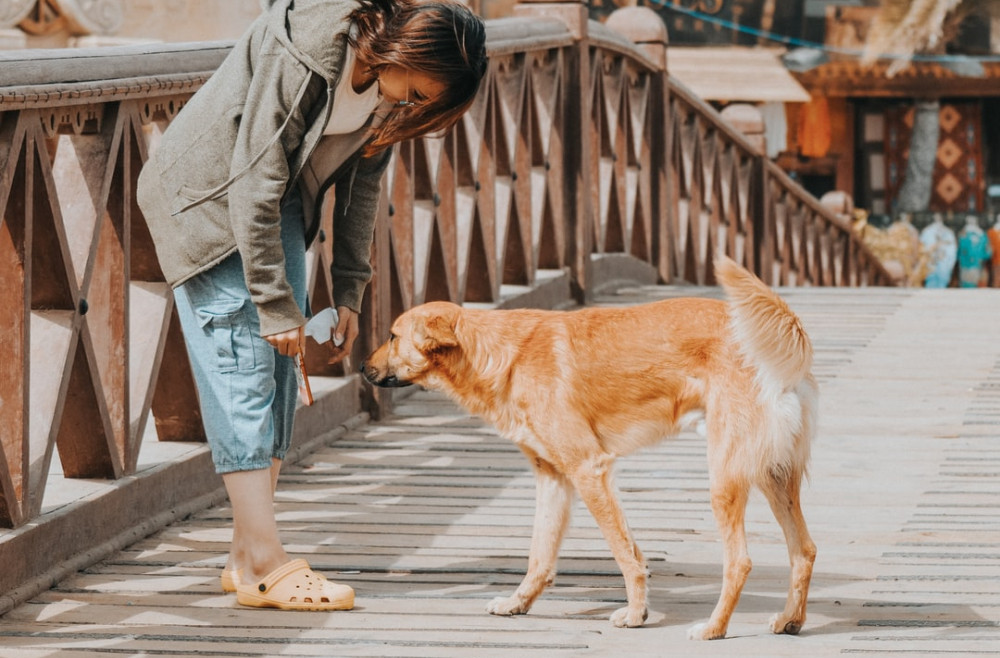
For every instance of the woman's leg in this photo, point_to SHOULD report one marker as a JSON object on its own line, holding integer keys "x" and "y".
{"x": 241, "y": 539}
{"x": 234, "y": 372}
{"x": 256, "y": 548}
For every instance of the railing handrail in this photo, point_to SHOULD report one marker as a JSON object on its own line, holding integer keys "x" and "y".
{"x": 65, "y": 78}
{"x": 69, "y": 68}
{"x": 602, "y": 36}
{"x": 515, "y": 34}
{"x": 23, "y": 72}
{"x": 678, "y": 88}
{"x": 36, "y": 77}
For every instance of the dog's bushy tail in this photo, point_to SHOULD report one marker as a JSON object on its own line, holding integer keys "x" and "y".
{"x": 770, "y": 335}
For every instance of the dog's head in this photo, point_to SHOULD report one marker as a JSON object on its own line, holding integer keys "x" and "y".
{"x": 419, "y": 339}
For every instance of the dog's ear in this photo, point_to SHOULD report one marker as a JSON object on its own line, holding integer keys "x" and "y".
{"x": 434, "y": 332}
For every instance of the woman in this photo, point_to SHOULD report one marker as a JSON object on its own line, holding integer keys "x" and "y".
{"x": 313, "y": 94}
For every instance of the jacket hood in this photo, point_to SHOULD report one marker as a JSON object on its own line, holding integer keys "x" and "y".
{"x": 314, "y": 31}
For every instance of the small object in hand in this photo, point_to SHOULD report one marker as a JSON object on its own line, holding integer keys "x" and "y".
{"x": 305, "y": 391}
{"x": 322, "y": 325}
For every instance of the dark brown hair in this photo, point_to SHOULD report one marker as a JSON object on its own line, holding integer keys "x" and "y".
{"x": 442, "y": 39}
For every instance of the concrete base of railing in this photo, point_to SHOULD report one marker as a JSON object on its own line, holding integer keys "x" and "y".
{"x": 609, "y": 271}
{"x": 176, "y": 480}
{"x": 553, "y": 290}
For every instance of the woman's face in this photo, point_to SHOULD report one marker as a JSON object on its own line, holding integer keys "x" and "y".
{"x": 403, "y": 87}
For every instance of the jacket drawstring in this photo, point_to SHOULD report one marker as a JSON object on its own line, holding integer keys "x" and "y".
{"x": 217, "y": 191}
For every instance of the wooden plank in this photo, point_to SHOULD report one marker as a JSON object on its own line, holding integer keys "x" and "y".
{"x": 17, "y": 176}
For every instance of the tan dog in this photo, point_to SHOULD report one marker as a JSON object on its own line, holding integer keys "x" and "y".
{"x": 576, "y": 390}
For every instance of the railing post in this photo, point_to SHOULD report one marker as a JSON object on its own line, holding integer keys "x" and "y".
{"x": 646, "y": 30}
{"x": 376, "y": 314}
{"x": 749, "y": 121}
{"x": 578, "y": 142}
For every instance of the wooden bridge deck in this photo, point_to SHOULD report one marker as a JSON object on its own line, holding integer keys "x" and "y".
{"x": 428, "y": 514}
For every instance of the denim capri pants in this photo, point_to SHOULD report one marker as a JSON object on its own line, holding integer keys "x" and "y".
{"x": 247, "y": 389}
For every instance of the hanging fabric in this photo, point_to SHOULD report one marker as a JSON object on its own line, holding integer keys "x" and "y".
{"x": 814, "y": 128}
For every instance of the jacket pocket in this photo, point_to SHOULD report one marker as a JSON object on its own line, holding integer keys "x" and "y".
{"x": 227, "y": 322}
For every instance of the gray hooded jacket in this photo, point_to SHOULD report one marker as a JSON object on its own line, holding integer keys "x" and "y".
{"x": 216, "y": 182}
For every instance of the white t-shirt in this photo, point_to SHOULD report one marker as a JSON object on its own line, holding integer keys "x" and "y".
{"x": 351, "y": 109}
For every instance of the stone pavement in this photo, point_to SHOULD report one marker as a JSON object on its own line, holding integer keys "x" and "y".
{"x": 428, "y": 516}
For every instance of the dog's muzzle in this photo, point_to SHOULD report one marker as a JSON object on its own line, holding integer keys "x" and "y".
{"x": 390, "y": 381}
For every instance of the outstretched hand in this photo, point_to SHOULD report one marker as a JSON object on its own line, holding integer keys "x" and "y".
{"x": 344, "y": 334}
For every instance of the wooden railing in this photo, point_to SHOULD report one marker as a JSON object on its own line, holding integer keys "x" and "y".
{"x": 578, "y": 145}
{"x": 728, "y": 196}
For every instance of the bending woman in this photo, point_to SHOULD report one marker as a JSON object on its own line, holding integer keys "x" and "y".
{"x": 314, "y": 94}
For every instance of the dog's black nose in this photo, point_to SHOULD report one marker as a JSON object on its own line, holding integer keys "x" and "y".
{"x": 388, "y": 382}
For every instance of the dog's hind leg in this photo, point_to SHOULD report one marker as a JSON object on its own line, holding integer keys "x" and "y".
{"x": 729, "y": 502}
{"x": 782, "y": 492}
{"x": 553, "y": 495}
{"x": 593, "y": 481}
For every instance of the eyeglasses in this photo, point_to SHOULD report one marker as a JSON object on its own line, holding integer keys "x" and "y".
{"x": 406, "y": 103}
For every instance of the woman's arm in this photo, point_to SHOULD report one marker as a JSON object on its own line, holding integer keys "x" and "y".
{"x": 353, "y": 226}
{"x": 255, "y": 198}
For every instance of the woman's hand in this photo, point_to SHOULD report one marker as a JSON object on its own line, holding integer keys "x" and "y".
{"x": 344, "y": 334}
{"x": 289, "y": 343}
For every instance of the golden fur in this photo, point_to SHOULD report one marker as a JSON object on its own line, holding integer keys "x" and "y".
{"x": 576, "y": 390}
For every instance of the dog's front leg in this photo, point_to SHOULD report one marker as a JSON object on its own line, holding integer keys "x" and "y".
{"x": 593, "y": 481}
{"x": 553, "y": 495}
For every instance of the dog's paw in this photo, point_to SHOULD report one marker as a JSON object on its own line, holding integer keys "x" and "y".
{"x": 506, "y": 606}
{"x": 704, "y": 632}
{"x": 781, "y": 624}
{"x": 628, "y": 618}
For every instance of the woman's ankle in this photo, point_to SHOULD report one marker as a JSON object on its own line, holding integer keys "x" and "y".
{"x": 257, "y": 564}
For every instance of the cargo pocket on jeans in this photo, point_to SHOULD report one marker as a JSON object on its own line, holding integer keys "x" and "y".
{"x": 227, "y": 323}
